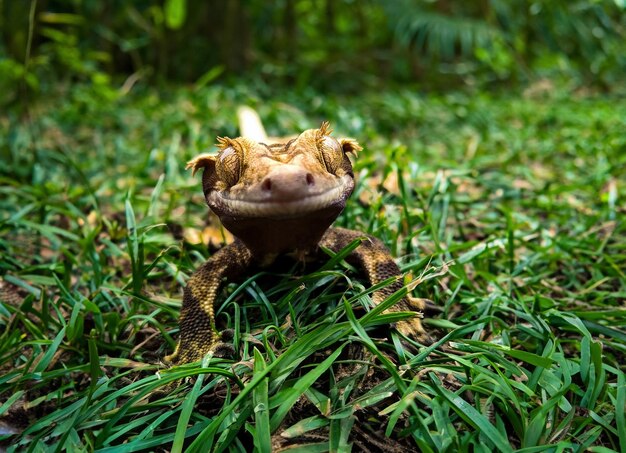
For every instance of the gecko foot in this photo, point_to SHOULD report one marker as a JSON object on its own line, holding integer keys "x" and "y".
{"x": 193, "y": 349}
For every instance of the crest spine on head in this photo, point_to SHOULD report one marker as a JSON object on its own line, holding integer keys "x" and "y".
{"x": 325, "y": 129}
{"x": 322, "y": 132}
{"x": 224, "y": 142}
{"x": 198, "y": 162}
{"x": 349, "y": 145}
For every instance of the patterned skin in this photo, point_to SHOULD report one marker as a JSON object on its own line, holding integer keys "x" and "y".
{"x": 278, "y": 199}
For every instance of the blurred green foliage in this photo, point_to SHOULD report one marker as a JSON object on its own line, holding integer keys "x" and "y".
{"x": 339, "y": 45}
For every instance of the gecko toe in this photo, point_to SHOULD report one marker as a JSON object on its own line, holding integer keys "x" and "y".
{"x": 221, "y": 349}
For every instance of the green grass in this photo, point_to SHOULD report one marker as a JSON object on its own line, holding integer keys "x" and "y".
{"x": 506, "y": 212}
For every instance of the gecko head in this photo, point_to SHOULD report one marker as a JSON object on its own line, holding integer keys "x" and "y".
{"x": 279, "y": 197}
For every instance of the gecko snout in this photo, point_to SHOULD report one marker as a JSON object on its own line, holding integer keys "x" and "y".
{"x": 289, "y": 183}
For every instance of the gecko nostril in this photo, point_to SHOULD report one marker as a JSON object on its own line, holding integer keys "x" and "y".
{"x": 310, "y": 180}
{"x": 267, "y": 184}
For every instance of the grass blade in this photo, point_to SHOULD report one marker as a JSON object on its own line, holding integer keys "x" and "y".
{"x": 289, "y": 398}
{"x": 260, "y": 399}
{"x": 474, "y": 418}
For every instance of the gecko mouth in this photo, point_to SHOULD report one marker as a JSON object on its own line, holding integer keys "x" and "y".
{"x": 273, "y": 207}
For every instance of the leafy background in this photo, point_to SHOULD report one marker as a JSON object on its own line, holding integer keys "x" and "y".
{"x": 493, "y": 169}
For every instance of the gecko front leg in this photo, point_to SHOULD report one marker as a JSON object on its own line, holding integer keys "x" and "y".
{"x": 378, "y": 265}
{"x": 198, "y": 333}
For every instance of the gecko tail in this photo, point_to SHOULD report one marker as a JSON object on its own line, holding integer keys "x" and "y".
{"x": 250, "y": 125}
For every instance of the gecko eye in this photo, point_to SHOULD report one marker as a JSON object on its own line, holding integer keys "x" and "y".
{"x": 228, "y": 166}
{"x": 332, "y": 154}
